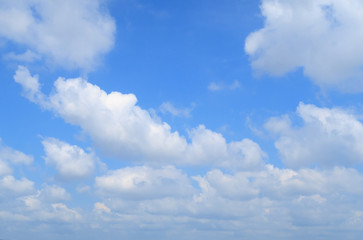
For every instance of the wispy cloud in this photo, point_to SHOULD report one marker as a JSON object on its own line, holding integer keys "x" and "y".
{"x": 168, "y": 107}
{"x": 222, "y": 86}
{"x": 28, "y": 56}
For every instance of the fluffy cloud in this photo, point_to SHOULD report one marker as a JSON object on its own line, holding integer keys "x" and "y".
{"x": 46, "y": 206}
{"x": 71, "y": 161}
{"x": 145, "y": 183}
{"x": 284, "y": 200}
{"x": 121, "y": 128}
{"x": 321, "y": 36}
{"x": 328, "y": 137}
{"x": 9, "y": 186}
{"x": 69, "y": 33}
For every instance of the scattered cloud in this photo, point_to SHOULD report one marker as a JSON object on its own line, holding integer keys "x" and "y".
{"x": 72, "y": 34}
{"x": 321, "y": 36}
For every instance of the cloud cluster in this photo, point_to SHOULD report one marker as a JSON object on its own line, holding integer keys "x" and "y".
{"x": 283, "y": 199}
{"x": 142, "y": 183}
{"x": 327, "y": 138}
{"x": 321, "y": 36}
{"x": 72, "y": 34}
{"x": 122, "y": 129}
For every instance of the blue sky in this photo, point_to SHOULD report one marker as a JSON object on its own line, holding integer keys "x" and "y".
{"x": 181, "y": 119}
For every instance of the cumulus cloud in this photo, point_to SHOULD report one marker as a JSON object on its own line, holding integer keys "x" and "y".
{"x": 321, "y": 36}
{"x": 10, "y": 186}
{"x": 121, "y": 128}
{"x": 283, "y": 199}
{"x": 328, "y": 137}
{"x": 145, "y": 183}
{"x": 71, "y": 161}
{"x": 68, "y": 33}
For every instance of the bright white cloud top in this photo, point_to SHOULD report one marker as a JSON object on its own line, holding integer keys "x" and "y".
{"x": 211, "y": 153}
{"x": 321, "y": 36}
{"x": 69, "y": 33}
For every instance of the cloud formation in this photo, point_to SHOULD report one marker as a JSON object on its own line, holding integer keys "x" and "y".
{"x": 141, "y": 183}
{"x": 321, "y": 36}
{"x": 72, "y": 34}
{"x": 71, "y": 161}
{"x": 121, "y": 128}
{"x": 327, "y": 138}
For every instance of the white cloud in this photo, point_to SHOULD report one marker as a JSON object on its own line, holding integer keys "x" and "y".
{"x": 321, "y": 36}
{"x": 139, "y": 183}
{"x": 71, "y": 161}
{"x": 237, "y": 186}
{"x": 69, "y": 33}
{"x": 283, "y": 199}
{"x": 9, "y": 157}
{"x": 10, "y": 186}
{"x": 16, "y": 157}
{"x": 222, "y": 86}
{"x": 328, "y": 137}
{"x": 121, "y": 128}
{"x": 31, "y": 89}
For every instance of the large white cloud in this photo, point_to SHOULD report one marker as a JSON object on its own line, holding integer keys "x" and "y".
{"x": 328, "y": 137}
{"x": 71, "y": 161}
{"x": 121, "y": 128}
{"x": 68, "y": 33}
{"x": 321, "y": 36}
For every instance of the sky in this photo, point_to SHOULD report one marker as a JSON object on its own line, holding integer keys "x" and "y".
{"x": 135, "y": 119}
